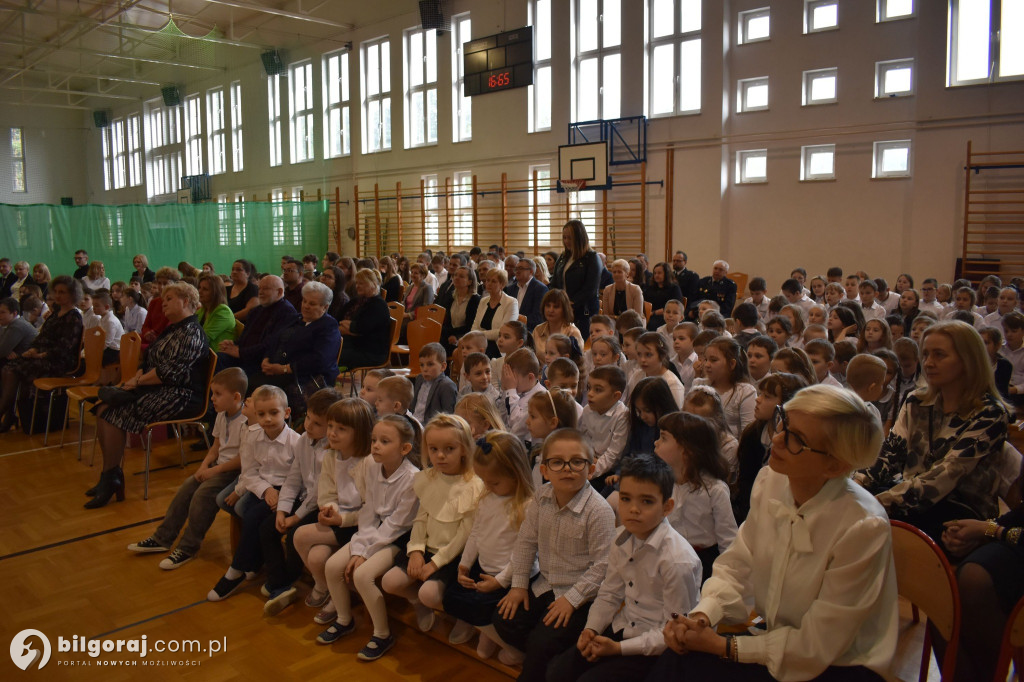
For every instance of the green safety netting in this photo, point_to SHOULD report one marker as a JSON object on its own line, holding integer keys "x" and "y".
{"x": 167, "y": 233}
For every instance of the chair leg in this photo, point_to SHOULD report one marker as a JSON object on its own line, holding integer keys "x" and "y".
{"x": 46, "y": 428}
{"x": 926, "y": 654}
{"x": 149, "y": 447}
{"x": 32, "y": 424}
{"x": 181, "y": 447}
{"x": 67, "y": 417}
{"x": 81, "y": 427}
{"x": 206, "y": 436}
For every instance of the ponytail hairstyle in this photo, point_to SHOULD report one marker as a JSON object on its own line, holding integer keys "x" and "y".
{"x": 557, "y": 403}
{"x": 520, "y": 332}
{"x": 568, "y": 348}
{"x": 797, "y": 362}
{"x": 656, "y": 342}
{"x": 703, "y": 463}
{"x": 705, "y": 398}
{"x": 733, "y": 352}
{"x": 504, "y": 454}
{"x": 482, "y": 407}
{"x": 409, "y": 431}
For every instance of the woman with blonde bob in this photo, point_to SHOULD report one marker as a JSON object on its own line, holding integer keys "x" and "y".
{"x": 813, "y": 558}
{"x": 621, "y": 295}
{"x": 940, "y": 461}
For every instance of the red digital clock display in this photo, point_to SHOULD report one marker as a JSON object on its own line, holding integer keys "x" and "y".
{"x": 499, "y": 80}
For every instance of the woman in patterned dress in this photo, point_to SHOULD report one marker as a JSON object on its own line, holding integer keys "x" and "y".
{"x": 170, "y": 383}
{"x": 54, "y": 353}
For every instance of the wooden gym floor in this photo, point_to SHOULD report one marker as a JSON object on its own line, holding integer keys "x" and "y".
{"x": 64, "y": 571}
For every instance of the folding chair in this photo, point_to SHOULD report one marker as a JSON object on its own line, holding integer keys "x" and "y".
{"x": 433, "y": 311}
{"x": 93, "y": 341}
{"x": 1013, "y": 645}
{"x": 420, "y": 333}
{"x": 925, "y": 578}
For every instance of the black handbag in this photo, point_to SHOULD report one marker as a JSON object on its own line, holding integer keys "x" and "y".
{"x": 116, "y": 397}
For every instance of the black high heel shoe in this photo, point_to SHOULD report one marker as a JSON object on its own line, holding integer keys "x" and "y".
{"x": 91, "y": 492}
{"x": 111, "y": 484}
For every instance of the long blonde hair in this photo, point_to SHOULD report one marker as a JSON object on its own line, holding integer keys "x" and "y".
{"x": 462, "y": 431}
{"x": 980, "y": 381}
{"x": 506, "y": 454}
{"x": 482, "y": 407}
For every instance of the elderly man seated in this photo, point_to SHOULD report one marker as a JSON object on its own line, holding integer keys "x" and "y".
{"x": 273, "y": 315}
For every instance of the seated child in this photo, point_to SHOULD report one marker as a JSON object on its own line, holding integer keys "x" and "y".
{"x": 196, "y": 499}
{"x": 673, "y": 315}
{"x": 652, "y": 573}
{"x": 368, "y": 390}
{"x": 605, "y": 420}
{"x": 1001, "y": 367}
{"x": 653, "y": 358}
{"x": 865, "y": 376}
{"x": 897, "y": 326}
{"x": 472, "y": 342}
{"x": 704, "y": 401}
{"x": 484, "y": 576}
{"x": 520, "y": 375}
{"x": 565, "y": 374}
{"x": 601, "y": 326}
{"x": 477, "y": 368}
{"x": 703, "y": 509}
{"x": 845, "y": 351}
{"x": 562, "y": 346}
{"x": 629, "y": 338}
{"x": 886, "y": 403}
{"x": 394, "y": 396}
{"x": 746, "y": 318}
{"x": 822, "y": 354}
{"x": 481, "y": 413}
{"x": 511, "y": 337}
{"x": 548, "y": 411}
{"x": 630, "y": 319}
{"x": 683, "y": 354}
{"x": 544, "y": 617}
{"x": 605, "y": 350}
{"x": 760, "y": 351}
{"x": 433, "y": 392}
{"x": 297, "y": 505}
{"x": 794, "y": 361}
{"x": 780, "y": 328}
{"x": 266, "y": 460}
{"x": 387, "y": 515}
{"x": 758, "y": 287}
{"x": 814, "y": 331}
{"x": 1013, "y": 350}
{"x": 448, "y": 491}
{"x": 104, "y": 317}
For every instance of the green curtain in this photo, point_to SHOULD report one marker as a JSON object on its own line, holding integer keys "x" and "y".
{"x": 261, "y": 232}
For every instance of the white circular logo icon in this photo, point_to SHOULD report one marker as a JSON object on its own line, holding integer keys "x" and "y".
{"x": 24, "y": 654}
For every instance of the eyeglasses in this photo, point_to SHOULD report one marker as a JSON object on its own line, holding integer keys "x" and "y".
{"x": 576, "y": 464}
{"x": 794, "y": 443}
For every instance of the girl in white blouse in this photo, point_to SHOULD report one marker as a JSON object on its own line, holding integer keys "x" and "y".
{"x": 725, "y": 370}
{"x": 703, "y": 511}
{"x": 813, "y": 558}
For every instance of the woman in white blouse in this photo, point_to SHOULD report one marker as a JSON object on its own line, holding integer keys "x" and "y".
{"x": 495, "y": 309}
{"x": 96, "y": 279}
{"x": 813, "y": 559}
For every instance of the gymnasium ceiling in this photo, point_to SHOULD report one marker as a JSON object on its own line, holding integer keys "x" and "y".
{"x": 93, "y": 54}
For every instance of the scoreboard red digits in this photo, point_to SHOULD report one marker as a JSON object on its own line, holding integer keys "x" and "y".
{"x": 498, "y": 62}
{"x": 499, "y": 80}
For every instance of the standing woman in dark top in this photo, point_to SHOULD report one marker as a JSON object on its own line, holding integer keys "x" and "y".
{"x": 242, "y": 294}
{"x": 53, "y": 353}
{"x": 365, "y": 325}
{"x": 578, "y": 273}
{"x": 662, "y": 290}
{"x": 142, "y": 271}
{"x": 392, "y": 282}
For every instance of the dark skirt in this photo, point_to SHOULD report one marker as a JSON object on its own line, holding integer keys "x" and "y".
{"x": 1005, "y": 563}
{"x": 343, "y": 534}
{"x": 447, "y": 574}
{"x": 476, "y": 608}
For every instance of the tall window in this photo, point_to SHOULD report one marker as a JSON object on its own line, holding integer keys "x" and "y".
{"x": 539, "y": 94}
{"x": 108, "y": 155}
{"x": 274, "y": 118}
{"x": 18, "y": 159}
{"x": 540, "y": 208}
{"x": 431, "y": 210}
{"x": 118, "y": 154}
{"x": 337, "y": 140}
{"x": 236, "y": 126}
{"x": 377, "y": 95}
{"x": 193, "y": 136}
{"x": 216, "y": 140}
{"x": 986, "y": 41}
{"x": 277, "y": 216}
{"x": 420, "y": 87}
{"x": 300, "y": 98}
{"x": 163, "y": 148}
{"x": 462, "y": 106}
{"x": 462, "y": 206}
{"x": 597, "y": 60}
{"x": 239, "y": 219}
{"x": 134, "y": 150}
{"x": 673, "y": 57}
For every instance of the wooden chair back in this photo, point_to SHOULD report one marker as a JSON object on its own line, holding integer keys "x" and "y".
{"x": 741, "y": 279}
{"x": 397, "y": 310}
{"x": 239, "y": 328}
{"x": 648, "y": 309}
{"x": 420, "y": 333}
{"x": 1013, "y": 645}
{"x": 925, "y": 578}
{"x": 433, "y": 311}
{"x": 131, "y": 351}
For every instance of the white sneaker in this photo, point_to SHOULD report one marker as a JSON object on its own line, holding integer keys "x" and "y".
{"x": 424, "y": 618}
{"x": 513, "y": 659}
{"x": 461, "y": 633}
{"x": 486, "y": 647}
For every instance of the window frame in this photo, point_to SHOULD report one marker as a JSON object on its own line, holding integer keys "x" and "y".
{"x": 884, "y": 67}
{"x": 192, "y": 109}
{"x": 743, "y": 87}
{"x": 882, "y": 12}
{"x": 18, "y": 161}
{"x": 996, "y": 36}
{"x": 538, "y": 107}
{"x": 676, "y": 38}
{"x": 163, "y": 144}
{"x": 381, "y": 98}
{"x": 462, "y": 208}
{"x": 806, "y": 153}
{"x": 809, "y": 7}
{"x": 431, "y": 209}
{"x": 301, "y": 111}
{"x": 337, "y": 98}
{"x": 118, "y": 154}
{"x": 741, "y": 175}
{"x": 743, "y": 25}
{"x": 808, "y": 85}
{"x": 274, "y": 120}
{"x": 545, "y": 210}
{"x": 216, "y": 134}
{"x": 425, "y": 88}
{"x": 462, "y": 107}
{"x": 133, "y": 139}
{"x": 237, "y": 140}
{"x": 601, "y": 54}
{"x": 879, "y": 148}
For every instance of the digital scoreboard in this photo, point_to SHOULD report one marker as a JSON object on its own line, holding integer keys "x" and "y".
{"x": 498, "y": 62}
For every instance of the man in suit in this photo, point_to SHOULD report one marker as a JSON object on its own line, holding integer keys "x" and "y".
{"x": 7, "y": 277}
{"x": 529, "y": 292}
{"x": 273, "y": 315}
{"x": 446, "y": 292}
{"x": 688, "y": 280}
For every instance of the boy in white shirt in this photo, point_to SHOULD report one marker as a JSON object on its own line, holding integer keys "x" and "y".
{"x": 872, "y": 309}
{"x": 652, "y": 573}
{"x": 682, "y": 344}
{"x": 564, "y": 374}
{"x": 520, "y": 373}
{"x": 600, "y": 326}
{"x": 673, "y": 315}
{"x": 852, "y": 286}
{"x": 605, "y": 420}
{"x": 794, "y": 293}
{"x": 104, "y": 318}
{"x": 473, "y": 342}
{"x": 1009, "y": 299}
{"x": 266, "y": 460}
{"x": 822, "y": 354}
{"x": 196, "y": 499}
{"x": 758, "y": 286}
{"x": 929, "y": 288}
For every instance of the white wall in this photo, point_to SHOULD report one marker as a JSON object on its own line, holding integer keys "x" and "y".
{"x": 882, "y": 226}
{"x": 54, "y": 146}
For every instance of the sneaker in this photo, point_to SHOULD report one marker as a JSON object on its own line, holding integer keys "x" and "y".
{"x": 336, "y": 632}
{"x": 326, "y": 615}
{"x": 265, "y": 591}
{"x": 280, "y": 600}
{"x": 225, "y": 588}
{"x": 513, "y": 659}
{"x": 147, "y": 546}
{"x": 316, "y": 598}
{"x": 461, "y": 633}
{"x": 177, "y": 559}
{"x": 486, "y": 647}
{"x": 375, "y": 648}
{"x": 424, "y": 618}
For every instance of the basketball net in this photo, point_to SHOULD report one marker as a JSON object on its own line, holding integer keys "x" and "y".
{"x": 571, "y": 185}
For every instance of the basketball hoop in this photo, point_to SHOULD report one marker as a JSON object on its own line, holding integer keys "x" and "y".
{"x": 572, "y": 185}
